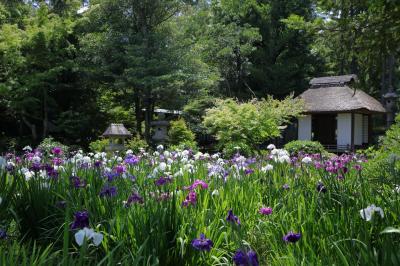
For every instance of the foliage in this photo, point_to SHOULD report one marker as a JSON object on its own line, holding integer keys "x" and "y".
{"x": 385, "y": 162}
{"x": 179, "y": 133}
{"x": 251, "y": 123}
{"x": 136, "y": 144}
{"x": 194, "y": 111}
{"x": 156, "y": 227}
{"x": 305, "y": 146}
{"x": 49, "y": 143}
{"x": 98, "y": 145}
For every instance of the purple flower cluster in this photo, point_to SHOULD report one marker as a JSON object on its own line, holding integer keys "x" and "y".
{"x": 266, "y": 210}
{"x": 56, "y": 151}
{"x": 232, "y": 218}
{"x": 292, "y": 237}
{"x": 81, "y": 220}
{"x": 163, "y": 180}
{"x": 202, "y": 243}
{"x": 197, "y": 183}
{"x": 77, "y": 182}
{"x": 3, "y": 234}
{"x": 242, "y": 258}
{"x": 190, "y": 199}
{"x": 108, "y": 191}
{"x": 132, "y": 159}
{"x": 134, "y": 198}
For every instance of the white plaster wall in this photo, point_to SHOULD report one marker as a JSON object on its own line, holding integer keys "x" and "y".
{"x": 344, "y": 129}
{"x": 365, "y": 129}
{"x": 358, "y": 129}
{"x": 304, "y": 129}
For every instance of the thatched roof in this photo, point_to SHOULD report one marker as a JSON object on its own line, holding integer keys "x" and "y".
{"x": 333, "y": 81}
{"x": 116, "y": 130}
{"x": 336, "y": 96}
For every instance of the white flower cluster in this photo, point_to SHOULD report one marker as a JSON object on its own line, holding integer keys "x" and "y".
{"x": 368, "y": 212}
{"x": 280, "y": 155}
{"x": 89, "y": 234}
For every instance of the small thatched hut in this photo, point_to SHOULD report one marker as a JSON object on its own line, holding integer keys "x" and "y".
{"x": 117, "y": 134}
{"x": 337, "y": 114}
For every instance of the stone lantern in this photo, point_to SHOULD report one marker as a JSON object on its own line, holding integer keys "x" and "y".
{"x": 116, "y": 133}
{"x": 160, "y": 126}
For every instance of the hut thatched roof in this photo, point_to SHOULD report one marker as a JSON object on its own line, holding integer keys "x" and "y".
{"x": 332, "y": 81}
{"x": 336, "y": 96}
{"x": 116, "y": 130}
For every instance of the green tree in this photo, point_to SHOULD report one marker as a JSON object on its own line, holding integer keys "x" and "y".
{"x": 249, "y": 124}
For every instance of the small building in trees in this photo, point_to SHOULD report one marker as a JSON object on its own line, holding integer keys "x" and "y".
{"x": 337, "y": 114}
{"x": 116, "y": 133}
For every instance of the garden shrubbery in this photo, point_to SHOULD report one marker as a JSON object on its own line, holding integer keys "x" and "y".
{"x": 304, "y": 146}
{"x": 249, "y": 124}
{"x": 180, "y": 136}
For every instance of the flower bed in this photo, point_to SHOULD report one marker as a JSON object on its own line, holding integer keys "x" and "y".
{"x": 180, "y": 208}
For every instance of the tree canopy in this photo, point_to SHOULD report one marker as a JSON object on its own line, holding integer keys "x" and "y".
{"x": 69, "y": 68}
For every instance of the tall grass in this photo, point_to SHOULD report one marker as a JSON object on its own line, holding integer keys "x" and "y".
{"x": 37, "y": 214}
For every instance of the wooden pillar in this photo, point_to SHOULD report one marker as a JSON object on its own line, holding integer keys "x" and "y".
{"x": 369, "y": 128}
{"x": 352, "y": 131}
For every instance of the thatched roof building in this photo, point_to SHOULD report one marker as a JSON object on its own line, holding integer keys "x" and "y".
{"x": 337, "y": 114}
{"x": 339, "y": 99}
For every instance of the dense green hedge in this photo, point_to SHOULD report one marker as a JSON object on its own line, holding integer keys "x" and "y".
{"x": 305, "y": 146}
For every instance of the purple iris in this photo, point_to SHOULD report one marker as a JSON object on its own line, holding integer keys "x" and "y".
{"x": 321, "y": 187}
{"x": 162, "y": 181}
{"x": 202, "y": 243}
{"x": 108, "y": 191}
{"x": 357, "y": 167}
{"x": 134, "y": 198}
{"x": 57, "y": 161}
{"x": 132, "y": 160}
{"x": 81, "y": 220}
{"x": 292, "y": 237}
{"x": 56, "y": 150}
{"x": 97, "y": 164}
{"x": 35, "y": 167}
{"x": 191, "y": 199}
{"x": 248, "y": 171}
{"x": 266, "y": 210}
{"x": 285, "y": 186}
{"x": 197, "y": 183}
{"x": 120, "y": 169}
{"x": 77, "y": 182}
{"x": 232, "y": 218}
{"x": 245, "y": 259}
{"x": 3, "y": 234}
{"x": 111, "y": 176}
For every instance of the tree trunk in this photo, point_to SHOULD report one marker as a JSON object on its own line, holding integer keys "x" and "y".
{"x": 148, "y": 114}
{"x": 138, "y": 113}
{"x": 32, "y": 127}
{"x": 45, "y": 114}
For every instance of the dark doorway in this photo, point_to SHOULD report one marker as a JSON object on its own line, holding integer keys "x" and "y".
{"x": 324, "y": 128}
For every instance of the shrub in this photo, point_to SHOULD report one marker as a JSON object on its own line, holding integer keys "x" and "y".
{"x": 49, "y": 143}
{"x": 250, "y": 123}
{"x": 385, "y": 162}
{"x": 180, "y": 134}
{"x": 236, "y": 147}
{"x": 305, "y": 146}
{"x": 136, "y": 143}
{"x": 98, "y": 145}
